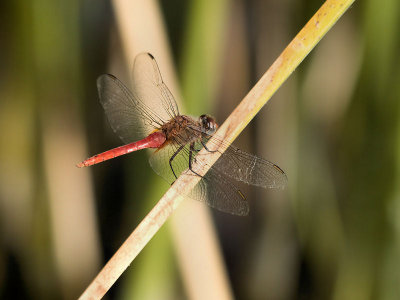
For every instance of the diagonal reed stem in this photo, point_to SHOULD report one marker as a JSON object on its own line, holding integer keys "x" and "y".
{"x": 259, "y": 95}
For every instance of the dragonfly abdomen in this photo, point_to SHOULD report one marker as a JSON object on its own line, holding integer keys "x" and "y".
{"x": 154, "y": 140}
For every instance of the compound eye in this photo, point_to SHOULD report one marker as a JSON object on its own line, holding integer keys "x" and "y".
{"x": 204, "y": 121}
{"x": 208, "y": 123}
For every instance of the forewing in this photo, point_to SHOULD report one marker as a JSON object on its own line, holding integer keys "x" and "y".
{"x": 148, "y": 85}
{"x": 251, "y": 169}
{"x": 242, "y": 166}
{"x": 129, "y": 117}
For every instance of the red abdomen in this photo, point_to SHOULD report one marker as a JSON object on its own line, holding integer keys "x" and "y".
{"x": 154, "y": 140}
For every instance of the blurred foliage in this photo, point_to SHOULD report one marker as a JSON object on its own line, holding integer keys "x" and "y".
{"x": 333, "y": 127}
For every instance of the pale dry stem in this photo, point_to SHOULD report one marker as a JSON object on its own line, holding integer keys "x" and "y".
{"x": 280, "y": 70}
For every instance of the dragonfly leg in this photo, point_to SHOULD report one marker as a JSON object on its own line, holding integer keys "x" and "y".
{"x": 205, "y": 146}
{"x": 172, "y": 158}
{"x": 190, "y": 158}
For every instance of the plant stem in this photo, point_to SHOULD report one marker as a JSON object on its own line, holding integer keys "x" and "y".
{"x": 259, "y": 95}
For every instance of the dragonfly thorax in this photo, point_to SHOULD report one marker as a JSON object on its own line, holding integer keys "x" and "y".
{"x": 180, "y": 128}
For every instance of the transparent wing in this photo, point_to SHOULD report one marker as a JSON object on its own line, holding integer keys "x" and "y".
{"x": 214, "y": 188}
{"x": 170, "y": 161}
{"x": 148, "y": 85}
{"x": 134, "y": 115}
{"x": 219, "y": 192}
{"x": 242, "y": 166}
{"x": 250, "y": 169}
{"x": 129, "y": 117}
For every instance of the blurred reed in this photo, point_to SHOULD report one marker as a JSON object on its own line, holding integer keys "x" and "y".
{"x": 140, "y": 28}
{"x": 197, "y": 246}
{"x": 273, "y": 263}
{"x": 366, "y": 155}
{"x": 55, "y": 231}
{"x": 58, "y": 88}
{"x": 132, "y": 17}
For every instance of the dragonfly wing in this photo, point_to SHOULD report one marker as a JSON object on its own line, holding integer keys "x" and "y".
{"x": 214, "y": 188}
{"x": 251, "y": 169}
{"x": 148, "y": 85}
{"x": 242, "y": 166}
{"x": 134, "y": 115}
{"x": 170, "y": 161}
{"x": 219, "y": 192}
{"x": 129, "y": 117}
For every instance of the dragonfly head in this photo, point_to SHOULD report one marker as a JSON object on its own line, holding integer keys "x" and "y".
{"x": 208, "y": 124}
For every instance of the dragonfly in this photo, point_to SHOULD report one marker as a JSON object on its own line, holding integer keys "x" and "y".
{"x": 148, "y": 117}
